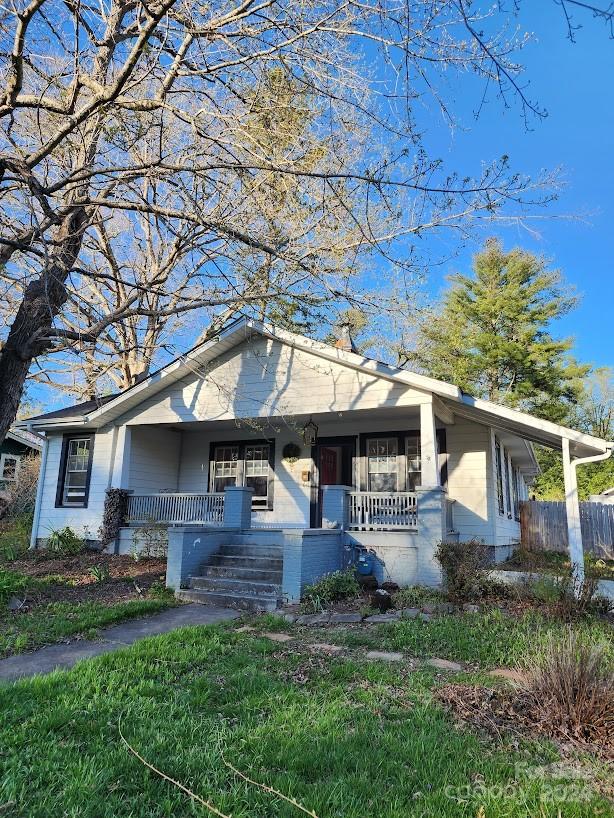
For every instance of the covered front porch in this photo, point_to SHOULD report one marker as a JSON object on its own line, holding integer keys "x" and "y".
{"x": 314, "y": 488}
{"x": 177, "y": 474}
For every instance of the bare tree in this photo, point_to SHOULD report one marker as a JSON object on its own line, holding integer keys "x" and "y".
{"x": 131, "y": 108}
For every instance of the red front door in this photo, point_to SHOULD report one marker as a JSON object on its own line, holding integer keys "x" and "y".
{"x": 328, "y": 467}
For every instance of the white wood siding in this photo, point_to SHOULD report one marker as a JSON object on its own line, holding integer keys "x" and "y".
{"x": 261, "y": 378}
{"x": 470, "y": 480}
{"x": 154, "y": 460}
{"x": 84, "y": 521}
{"x": 291, "y": 496}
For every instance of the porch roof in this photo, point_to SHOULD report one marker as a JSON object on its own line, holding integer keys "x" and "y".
{"x": 450, "y": 399}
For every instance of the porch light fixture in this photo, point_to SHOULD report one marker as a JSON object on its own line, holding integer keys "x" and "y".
{"x": 310, "y": 433}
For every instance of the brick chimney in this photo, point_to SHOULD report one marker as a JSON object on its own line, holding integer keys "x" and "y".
{"x": 345, "y": 341}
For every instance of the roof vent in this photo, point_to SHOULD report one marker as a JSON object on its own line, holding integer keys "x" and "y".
{"x": 345, "y": 341}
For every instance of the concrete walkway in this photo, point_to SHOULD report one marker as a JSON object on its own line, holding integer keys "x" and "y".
{"x": 65, "y": 656}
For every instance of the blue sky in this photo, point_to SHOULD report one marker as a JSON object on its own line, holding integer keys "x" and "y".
{"x": 574, "y": 82}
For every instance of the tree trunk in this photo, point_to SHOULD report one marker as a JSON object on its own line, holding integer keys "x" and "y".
{"x": 42, "y": 301}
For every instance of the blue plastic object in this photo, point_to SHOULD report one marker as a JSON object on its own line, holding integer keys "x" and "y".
{"x": 365, "y": 564}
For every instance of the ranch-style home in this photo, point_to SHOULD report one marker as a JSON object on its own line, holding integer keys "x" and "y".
{"x": 271, "y": 459}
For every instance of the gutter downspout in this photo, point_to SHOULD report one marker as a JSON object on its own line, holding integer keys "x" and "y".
{"x": 574, "y": 530}
{"x": 39, "y": 495}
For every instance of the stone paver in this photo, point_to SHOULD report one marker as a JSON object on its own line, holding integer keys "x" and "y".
{"x": 63, "y": 656}
{"x": 345, "y": 618}
{"x": 410, "y": 613}
{"x": 325, "y": 648}
{"x": 278, "y": 637}
{"x": 313, "y": 620}
{"x": 444, "y": 664}
{"x": 385, "y": 656}
{"x": 508, "y": 673}
{"x": 385, "y": 617}
{"x": 245, "y": 629}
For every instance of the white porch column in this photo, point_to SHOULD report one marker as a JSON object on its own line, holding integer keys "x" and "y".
{"x": 120, "y": 473}
{"x": 428, "y": 446}
{"x": 574, "y": 531}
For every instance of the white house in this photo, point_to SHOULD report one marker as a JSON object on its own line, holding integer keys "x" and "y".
{"x": 272, "y": 457}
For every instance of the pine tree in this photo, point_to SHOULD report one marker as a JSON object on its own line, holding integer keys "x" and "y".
{"x": 491, "y": 334}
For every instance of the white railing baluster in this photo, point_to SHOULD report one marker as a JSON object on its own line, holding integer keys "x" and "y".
{"x": 176, "y": 508}
{"x": 381, "y": 510}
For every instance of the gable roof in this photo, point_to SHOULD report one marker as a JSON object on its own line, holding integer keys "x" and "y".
{"x": 110, "y": 408}
{"x": 26, "y": 438}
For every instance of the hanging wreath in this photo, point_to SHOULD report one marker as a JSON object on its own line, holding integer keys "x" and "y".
{"x": 291, "y": 452}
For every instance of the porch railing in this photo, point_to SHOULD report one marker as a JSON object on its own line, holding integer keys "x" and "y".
{"x": 375, "y": 510}
{"x": 176, "y": 509}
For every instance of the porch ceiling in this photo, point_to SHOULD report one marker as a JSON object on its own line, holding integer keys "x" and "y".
{"x": 401, "y": 415}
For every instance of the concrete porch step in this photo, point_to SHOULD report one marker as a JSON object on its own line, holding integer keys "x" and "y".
{"x": 232, "y": 561}
{"x": 254, "y": 574}
{"x": 235, "y": 586}
{"x": 227, "y": 600}
{"x": 243, "y": 550}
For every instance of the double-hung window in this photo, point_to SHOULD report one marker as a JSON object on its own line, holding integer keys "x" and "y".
{"x": 244, "y": 464}
{"x": 226, "y": 467}
{"x": 382, "y": 470}
{"x": 499, "y": 476}
{"x": 76, "y": 465}
{"x": 9, "y": 466}
{"x": 414, "y": 462}
{"x": 516, "y": 492}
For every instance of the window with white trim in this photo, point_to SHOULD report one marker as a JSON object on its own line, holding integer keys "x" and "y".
{"x": 499, "y": 476}
{"x": 257, "y": 472}
{"x": 414, "y": 461}
{"x": 9, "y": 466}
{"x": 516, "y": 492}
{"x": 382, "y": 470}
{"x": 508, "y": 488}
{"x": 244, "y": 464}
{"x": 225, "y": 468}
{"x": 77, "y": 464}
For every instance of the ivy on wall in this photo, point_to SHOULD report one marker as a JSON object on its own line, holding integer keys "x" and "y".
{"x": 114, "y": 514}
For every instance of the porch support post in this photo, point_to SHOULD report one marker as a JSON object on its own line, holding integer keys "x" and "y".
{"x": 335, "y": 506}
{"x": 428, "y": 446}
{"x": 431, "y": 531}
{"x": 574, "y": 530}
{"x": 238, "y": 507}
{"x": 120, "y": 474}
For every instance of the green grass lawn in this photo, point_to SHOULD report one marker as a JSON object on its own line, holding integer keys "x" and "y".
{"x": 351, "y": 739}
{"x": 58, "y": 620}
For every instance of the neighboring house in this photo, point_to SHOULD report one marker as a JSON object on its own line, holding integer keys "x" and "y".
{"x": 17, "y": 444}
{"x": 606, "y": 496}
{"x": 273, "y": 457}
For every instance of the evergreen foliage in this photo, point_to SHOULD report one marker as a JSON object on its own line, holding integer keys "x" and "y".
{"x": 491, "y": 335}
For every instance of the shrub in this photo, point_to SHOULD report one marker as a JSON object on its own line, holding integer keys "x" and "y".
{"x": 415, "y": 596}
{"x": 569, "y": 597}
{"x": 65, "y": 542}
{"x": 332, "y": 588}
{"x": 20, "y": 495}
{"x": 465, "y": 569}
{"x": 158, "y": 590}
{"x": 571, "y": 690}
{"x": 15, "y": 536}
{"x": 11, "y": 584}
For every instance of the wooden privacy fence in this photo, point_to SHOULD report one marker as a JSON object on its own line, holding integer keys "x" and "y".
{"x": 543, "y": 525}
